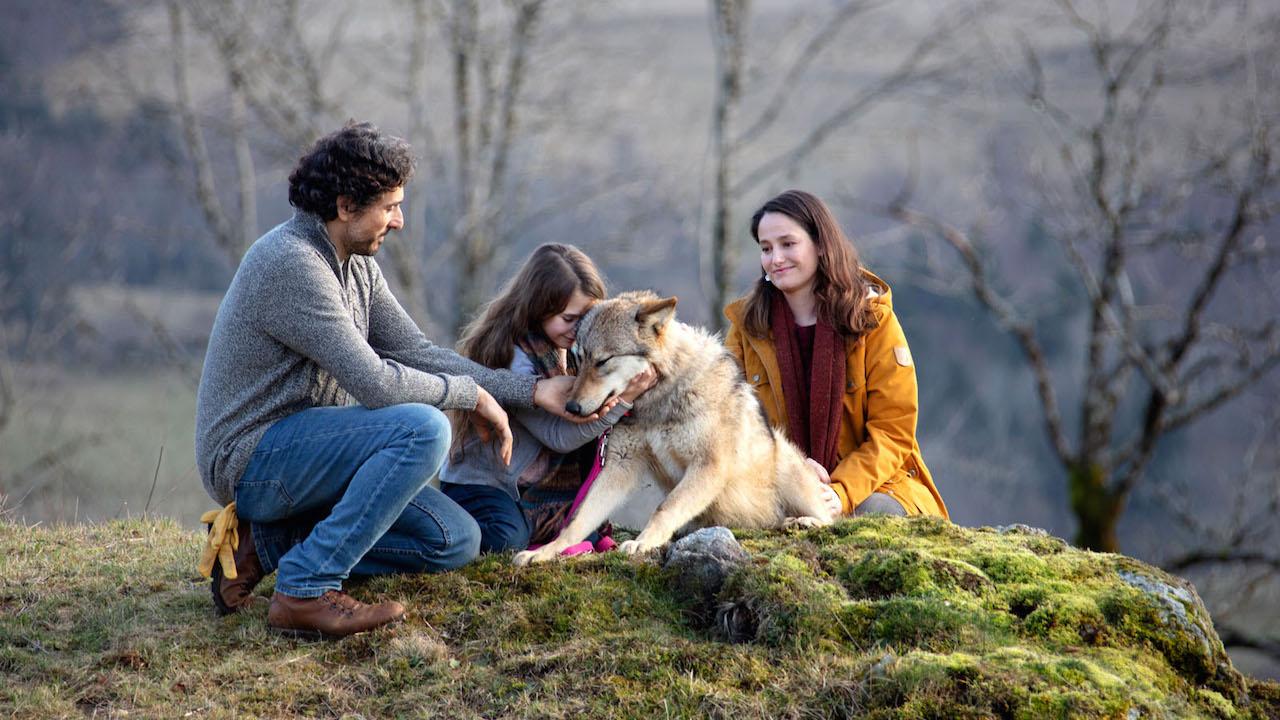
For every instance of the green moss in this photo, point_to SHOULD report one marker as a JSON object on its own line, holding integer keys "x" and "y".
{"x": 877, "y": 618}
{"x": 886, "y": 573}
{"x": 1066, "y": 620}
{"x": 789, "y": 605}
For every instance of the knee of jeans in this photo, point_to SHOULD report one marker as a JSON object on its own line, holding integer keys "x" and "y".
{"x": 430, "y": 431}
{"x": 464, "y": 546}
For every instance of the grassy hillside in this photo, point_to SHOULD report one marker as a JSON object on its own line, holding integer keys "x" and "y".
{"x": 878, "y": 618}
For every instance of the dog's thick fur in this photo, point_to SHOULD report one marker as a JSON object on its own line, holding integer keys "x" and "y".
{"x": 699, "y": 433}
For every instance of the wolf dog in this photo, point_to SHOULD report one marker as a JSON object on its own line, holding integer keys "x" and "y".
{"x": 699, "y": 434}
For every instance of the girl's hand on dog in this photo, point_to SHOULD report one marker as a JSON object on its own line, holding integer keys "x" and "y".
{"x": 490, "y": 419}
{"x": 829, "y": 495}
{"x": 639, "y": 384}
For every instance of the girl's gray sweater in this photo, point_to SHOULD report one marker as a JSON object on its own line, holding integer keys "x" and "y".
{"x": 531, "y": 430}
{"x": 296, "y": 330}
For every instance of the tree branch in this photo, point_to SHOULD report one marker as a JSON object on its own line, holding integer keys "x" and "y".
{"x": 1259, "y": 166}
{"x": 1005, "y": 317}
{"x": 1222, "y": 394}
{"x": 206, "y": 193}
{"x": 1222, "y": 556}
{"x": 522, "y": 34}
{"x": 907, "y": 72}
{"x": 773, "y": 108}
{"x": 1234, "y": 637}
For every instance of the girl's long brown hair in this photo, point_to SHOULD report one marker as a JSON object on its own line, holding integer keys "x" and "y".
{"x": 542, "y": 288}
{"x": 839, "y": 286}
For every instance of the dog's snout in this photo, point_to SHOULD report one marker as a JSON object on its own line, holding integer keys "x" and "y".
{"x": 573, "y": 407}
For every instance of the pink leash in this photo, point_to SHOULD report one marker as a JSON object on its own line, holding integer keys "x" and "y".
{"x": 605, "y": 543}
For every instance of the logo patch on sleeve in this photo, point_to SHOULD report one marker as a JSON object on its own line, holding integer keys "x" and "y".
{"x": 903, "y": 355}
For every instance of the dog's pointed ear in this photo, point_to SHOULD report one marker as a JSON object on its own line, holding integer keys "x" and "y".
{"x": 655, "y": 314}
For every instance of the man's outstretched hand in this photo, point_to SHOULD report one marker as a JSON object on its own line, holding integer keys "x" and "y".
{"x": 490, "y": 421}
{"x": 551, "y": 394}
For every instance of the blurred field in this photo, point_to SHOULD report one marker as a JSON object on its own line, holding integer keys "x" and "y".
{"x": 106, "y": 430}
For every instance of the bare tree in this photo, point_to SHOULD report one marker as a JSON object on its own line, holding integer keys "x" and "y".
{"x": 278, "y": 82}
{"x": 487, "y": 89}
{"x": 489, "y": 65}
{"x": 728, "y": 32}
{"x": 736, "y": 171}
{"x": 274, "y": 81}
{"x": 233, "y": 237}
{"x": 1132, "y": 210}
{"x": 406, "y": 255}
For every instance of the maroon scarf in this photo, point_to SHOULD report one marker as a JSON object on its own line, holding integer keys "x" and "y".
{"x": 815, "y": 428}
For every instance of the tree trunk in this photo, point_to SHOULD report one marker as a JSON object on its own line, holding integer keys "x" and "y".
{"x": 729, "y": 19}
{"x": 1097, "y": 508}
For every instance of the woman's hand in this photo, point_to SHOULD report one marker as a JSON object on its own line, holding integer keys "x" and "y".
{"x": 646, "y": 379}
{"x": 829, "y": 495}
{"x": 489, "y": 420}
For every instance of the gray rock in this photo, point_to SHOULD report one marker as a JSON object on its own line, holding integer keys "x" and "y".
{"x": 699, "y": 562}
{"x": 1021, "y": 529}
{"x": 1175, "y": 602}
{"x": 1185, "y": 617}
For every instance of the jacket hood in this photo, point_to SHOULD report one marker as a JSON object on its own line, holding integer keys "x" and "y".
{"x": 881, "y": 295}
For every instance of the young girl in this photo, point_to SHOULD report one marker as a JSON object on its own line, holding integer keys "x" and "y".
{"x": 818, "y": 340}
{"x": 530, "y": 328}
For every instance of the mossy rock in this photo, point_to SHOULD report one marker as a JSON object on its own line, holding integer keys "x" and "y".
{"x": 876, "y": 618}
{"x": 1009, "y": 622}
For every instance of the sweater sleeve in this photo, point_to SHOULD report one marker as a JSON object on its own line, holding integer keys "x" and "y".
{"x": 892, "y": 410}
{"x": 554, "y": 433}
{"x": 316, "y": 324}
{"x": 395, "y": 335}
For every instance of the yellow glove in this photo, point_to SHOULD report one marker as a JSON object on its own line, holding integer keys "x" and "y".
{"x": 223, "y": 540}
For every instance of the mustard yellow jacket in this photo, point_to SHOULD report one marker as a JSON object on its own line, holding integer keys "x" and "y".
{"x": 877, "y": 446}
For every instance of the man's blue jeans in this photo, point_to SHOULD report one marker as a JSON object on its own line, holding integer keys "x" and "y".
{"x": 336, "y": 491}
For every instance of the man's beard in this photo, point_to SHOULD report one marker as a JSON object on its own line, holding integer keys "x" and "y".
{"x": 367, "y": 247}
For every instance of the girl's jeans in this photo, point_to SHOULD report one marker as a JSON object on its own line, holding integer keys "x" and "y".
{"x": 335, "y": 491}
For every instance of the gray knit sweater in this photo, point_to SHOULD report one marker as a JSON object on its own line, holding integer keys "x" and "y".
{"x": 296, "y": 330}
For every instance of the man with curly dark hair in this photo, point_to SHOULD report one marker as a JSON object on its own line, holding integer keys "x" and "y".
{"x": 318, "y": 418}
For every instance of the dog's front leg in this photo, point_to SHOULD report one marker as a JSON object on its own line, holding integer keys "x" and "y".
{"x": 686, "y": 501}
{"x": 612, "y": 486}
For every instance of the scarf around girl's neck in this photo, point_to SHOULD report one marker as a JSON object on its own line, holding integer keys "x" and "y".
{"x": 815, "y": 428}
{"x": 546, "y": 356}
{"x": 550, "y": 483}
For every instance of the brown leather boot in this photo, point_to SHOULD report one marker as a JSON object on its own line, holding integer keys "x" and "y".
{"x": 234, "y": 595}
{"x": 334, "y": 614}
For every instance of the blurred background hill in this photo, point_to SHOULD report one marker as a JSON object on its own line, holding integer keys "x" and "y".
{"x": 1073, "y": 202}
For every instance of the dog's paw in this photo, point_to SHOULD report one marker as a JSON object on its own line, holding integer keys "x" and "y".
{"x": 803, "y": 522}
{"x": 527, "y": 557}
{"x": 635, "y": 547}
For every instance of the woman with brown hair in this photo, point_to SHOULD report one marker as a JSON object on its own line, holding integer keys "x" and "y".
{"x": 827, "y": 357}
